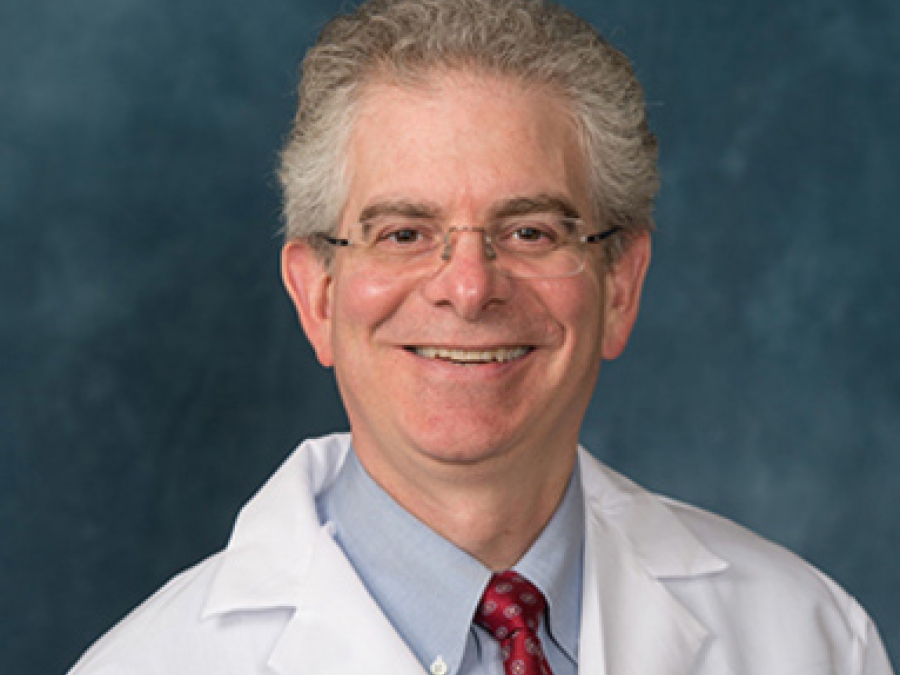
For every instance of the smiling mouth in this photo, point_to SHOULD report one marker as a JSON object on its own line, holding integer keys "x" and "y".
{"x": 469, "y": 357}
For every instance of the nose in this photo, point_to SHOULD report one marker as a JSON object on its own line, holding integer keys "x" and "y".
{"x": 468, "y": 280}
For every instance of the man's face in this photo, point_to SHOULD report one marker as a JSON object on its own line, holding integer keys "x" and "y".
{"x": 464, "y": 365}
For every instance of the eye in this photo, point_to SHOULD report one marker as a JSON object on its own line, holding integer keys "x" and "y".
{"x": 531, "y": 233}
{"x": 401, "y": 236}
{"x": 404, "y": 235}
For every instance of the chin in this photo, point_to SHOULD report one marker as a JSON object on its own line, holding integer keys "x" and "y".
{"x": 465, "y": 442}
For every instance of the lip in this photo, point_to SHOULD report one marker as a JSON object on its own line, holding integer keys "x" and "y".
{"x": 471, "y": 356}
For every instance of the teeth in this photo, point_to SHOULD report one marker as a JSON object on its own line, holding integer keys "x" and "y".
{"x": 465, "y": 356}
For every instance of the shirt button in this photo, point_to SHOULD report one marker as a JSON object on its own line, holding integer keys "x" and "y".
{"x": 439, "y": 667}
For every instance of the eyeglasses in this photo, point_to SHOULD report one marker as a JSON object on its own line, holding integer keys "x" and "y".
{"x": 530, "y": 247}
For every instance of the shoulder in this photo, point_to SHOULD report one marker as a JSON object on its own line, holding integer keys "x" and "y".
{"x": 761, "y": 604}
{"x": 168, "y": 634}
{"x": 225, "y": 614}
{"x": 661, "y": 529}
{"x": 771, "y": 605}
{"x": 760, "y": 566}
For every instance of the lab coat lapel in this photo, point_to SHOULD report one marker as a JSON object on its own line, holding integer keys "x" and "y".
{"x": 280, "y": 556}
{"x": 631, "y": 623}
{"x": 338, "y": 628}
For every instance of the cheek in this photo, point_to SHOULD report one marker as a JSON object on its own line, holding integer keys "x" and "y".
{"x": 576, "y": 304}
{"x": 592, "y": 297}
{"x": 582, "y": 313}
{"x": 362, "y": 303}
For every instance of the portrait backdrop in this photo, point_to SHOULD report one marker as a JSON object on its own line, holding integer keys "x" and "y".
{"x": 152, "y": 372}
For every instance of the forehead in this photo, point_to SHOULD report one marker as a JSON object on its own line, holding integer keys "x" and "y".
{"x": 463, "y": 141}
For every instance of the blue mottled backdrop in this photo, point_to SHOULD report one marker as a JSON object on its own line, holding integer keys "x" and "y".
{"x": 152, "y": 373}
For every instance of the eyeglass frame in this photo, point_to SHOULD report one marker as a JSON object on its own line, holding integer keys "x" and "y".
{"x": 596, "y": 237}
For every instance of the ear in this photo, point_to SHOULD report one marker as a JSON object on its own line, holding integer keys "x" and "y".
{"x": 624, "y": 281}
{"x": 308, "y": 282}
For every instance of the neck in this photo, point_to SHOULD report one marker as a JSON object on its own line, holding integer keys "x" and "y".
{"x": 494, "y": 512}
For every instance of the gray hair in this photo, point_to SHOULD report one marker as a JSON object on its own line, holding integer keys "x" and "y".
{"x": 403, "y": 41}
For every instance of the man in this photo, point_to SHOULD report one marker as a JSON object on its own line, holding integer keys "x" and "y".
{"x": 468, "y": 191}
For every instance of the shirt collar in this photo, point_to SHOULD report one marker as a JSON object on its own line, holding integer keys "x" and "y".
{"x": 433, "y": 613}
{"x": 555, "y": 564}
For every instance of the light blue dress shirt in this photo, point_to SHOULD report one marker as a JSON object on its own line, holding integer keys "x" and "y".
{"x": 429, "y": 589}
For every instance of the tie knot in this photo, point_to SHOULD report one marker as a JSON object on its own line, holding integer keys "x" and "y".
{"x": 510, "y": 604}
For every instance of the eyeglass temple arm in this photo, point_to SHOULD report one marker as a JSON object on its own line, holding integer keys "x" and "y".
{"x": 334, "y": 241}
{"x": 600, "y": 236}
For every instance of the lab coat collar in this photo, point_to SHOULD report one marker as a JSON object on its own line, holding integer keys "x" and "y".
{"x": 280, "y": 556}
{"x": 631, "y": 623}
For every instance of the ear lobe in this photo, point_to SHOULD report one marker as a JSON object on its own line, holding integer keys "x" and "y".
{"x": 307, "y": 280}
{"x": 624, "y": 282}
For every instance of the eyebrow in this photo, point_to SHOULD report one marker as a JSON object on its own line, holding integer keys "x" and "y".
{"x": 541, "y": 203}
{"x": 402, "y": 208}
{"x": 514, "y": 206}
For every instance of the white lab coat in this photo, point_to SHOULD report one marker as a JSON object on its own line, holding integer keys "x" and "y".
{"x": 668, "y": 590}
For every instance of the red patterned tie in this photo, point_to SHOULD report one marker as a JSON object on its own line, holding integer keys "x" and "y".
{"x": 511, "y": 609}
